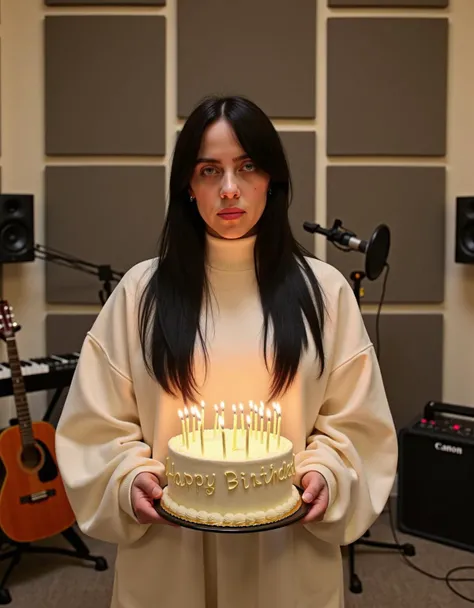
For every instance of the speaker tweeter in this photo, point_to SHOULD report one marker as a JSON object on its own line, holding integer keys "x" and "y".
{"x": 464, "y": 241}
{"x": 17, "y": 238}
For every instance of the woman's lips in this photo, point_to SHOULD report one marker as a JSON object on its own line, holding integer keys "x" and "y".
{"x": 231, "y": 213}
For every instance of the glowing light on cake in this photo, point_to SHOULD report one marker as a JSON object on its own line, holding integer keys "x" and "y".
{"x": 266, "y": 435}
{"x": 203, "y": 405}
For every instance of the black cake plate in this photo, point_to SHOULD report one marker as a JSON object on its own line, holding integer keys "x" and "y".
{"x": 291, "y": 519}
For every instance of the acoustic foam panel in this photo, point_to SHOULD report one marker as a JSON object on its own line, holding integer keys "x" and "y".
{"x": 411, "y": 201}
{"x": 387, "y": 86}
{"x": 105, "y": 2}
{"x": 300, "y": 148}
{"x": 261, "y": 50}
{"x": 411, "y": 360}
{"x": 102, "y": 215}
{"x": 105, "y": 85}
{"x": 388, "y": 3}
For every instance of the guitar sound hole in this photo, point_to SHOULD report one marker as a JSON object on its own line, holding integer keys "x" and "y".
{"x": 30, "y": 456}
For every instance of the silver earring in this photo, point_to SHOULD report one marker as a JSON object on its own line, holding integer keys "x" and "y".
{"x": 191, "y": 198}
{"x": 269, "y": 191}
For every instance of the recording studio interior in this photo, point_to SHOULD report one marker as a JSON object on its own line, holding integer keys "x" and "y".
{"x": 373, "y": 101}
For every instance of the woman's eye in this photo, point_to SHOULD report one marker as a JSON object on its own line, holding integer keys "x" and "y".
{"x": 208, "y": 171}
{"x": 248, "y": 167}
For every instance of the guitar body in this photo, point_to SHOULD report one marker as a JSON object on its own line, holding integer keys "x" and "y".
{"x": 33, "y": 501}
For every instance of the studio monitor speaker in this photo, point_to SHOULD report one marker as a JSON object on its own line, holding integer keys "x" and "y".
{"x": 17, "y": 239}
{"x": 464, "y": 242}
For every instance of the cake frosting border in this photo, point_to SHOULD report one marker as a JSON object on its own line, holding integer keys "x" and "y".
{"x": 232, "y": 520}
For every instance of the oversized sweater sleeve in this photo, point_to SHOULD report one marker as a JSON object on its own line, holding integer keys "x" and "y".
{"x": 353, "y": 443}
{"x": 99, "y": 441}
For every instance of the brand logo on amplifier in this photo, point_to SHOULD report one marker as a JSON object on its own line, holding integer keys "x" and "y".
{"x": 445, "y": 447}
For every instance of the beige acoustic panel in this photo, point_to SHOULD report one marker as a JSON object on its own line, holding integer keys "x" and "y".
{"x": 411, "y": 201}
{"x": 300, "y": 148}
{"x": 388, "y": 3}
{"x": 65, "y": 333}
{"x": 387, "y": 86}
{"x": 102, "y": 215}
{"x": 411, "y": 360}
{"x": 105, "y": 85}
{"x": 105, "y": 2}
{"x": 262, "y": 50}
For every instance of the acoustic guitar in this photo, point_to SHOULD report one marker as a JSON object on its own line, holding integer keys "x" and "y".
{"x": 33, "y": 501}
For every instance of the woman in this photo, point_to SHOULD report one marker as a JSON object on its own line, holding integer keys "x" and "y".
{"x": 232, "y": 309}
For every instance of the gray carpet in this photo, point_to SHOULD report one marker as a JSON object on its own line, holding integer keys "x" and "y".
{"x": 388, "y": 582}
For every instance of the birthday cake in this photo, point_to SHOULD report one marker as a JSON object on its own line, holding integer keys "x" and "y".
{"x": 235, "y": 477}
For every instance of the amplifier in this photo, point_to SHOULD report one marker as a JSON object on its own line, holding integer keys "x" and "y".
{"x": 436, "y": 476}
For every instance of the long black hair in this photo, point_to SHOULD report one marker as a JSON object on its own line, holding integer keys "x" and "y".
{"x": 171, "y": 304}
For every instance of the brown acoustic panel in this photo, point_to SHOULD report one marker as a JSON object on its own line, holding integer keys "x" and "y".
{"x": 64, "y": 334}
{"x": 388, "y": 3}
{"x": 261, "y": 50}
{"x": 105, "y": 85}
{"x": 411, "y": 360}
{"x": 411, "y": 201}
{"x": 105, "y": 2}
{"x": 387, "y": 86}
{"x": 300, "y": 148}
{"x": 102, "y": 215}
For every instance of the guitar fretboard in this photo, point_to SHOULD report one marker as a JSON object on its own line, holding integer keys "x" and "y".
{"x": 19, "y": 393}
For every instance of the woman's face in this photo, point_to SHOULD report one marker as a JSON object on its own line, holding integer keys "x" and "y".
{"x": 230, "y": 191}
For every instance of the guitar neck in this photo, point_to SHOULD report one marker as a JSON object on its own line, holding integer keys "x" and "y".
{"x": 19, "y": 393}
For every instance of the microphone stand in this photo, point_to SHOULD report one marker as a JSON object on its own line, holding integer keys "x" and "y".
{"x": 335, "y": 236}
{"x": 103, "y": 272}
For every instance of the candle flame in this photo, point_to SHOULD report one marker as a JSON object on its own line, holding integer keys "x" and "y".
{"x": 221, "y": 422}
{"x": 186, "y": 411}
{"x": 216, "y": 407}
{"x": 203, "y": 403}
{"x": 234, "y": 408}
{"x": 249, "y": 420}
{"x": 269, "y": 414}
{"x": 222, "y": 405}
{"x": 180, "y": 414}
{"x": 241, "y": 407}
{"x": 198, "y": 415}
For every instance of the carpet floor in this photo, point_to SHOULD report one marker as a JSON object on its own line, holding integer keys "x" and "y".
{"x": 53, "y": 581}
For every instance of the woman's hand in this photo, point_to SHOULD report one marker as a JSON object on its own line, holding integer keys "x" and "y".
{"x": 145, "y": 490}
{"x": 316, "y": 493}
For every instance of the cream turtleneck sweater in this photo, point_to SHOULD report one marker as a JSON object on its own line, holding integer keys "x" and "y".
{"x": 116, "y": 423}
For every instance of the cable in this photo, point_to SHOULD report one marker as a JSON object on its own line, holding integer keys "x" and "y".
{"x": 447, "y": 578}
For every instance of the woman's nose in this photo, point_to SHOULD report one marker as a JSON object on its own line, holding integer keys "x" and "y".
{"x": 229, "y": 188}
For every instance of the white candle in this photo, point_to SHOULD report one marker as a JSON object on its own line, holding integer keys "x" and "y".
{"x": 247, "y": 441}
{"x": 223, "y": 436}
{"x": 202, "y": 412}
{"x": 216, "y": 419}
{"x": 279, "y": 425}
{"x": 181, "y": 416}
{"x": 193, "y": 414}
{"x": 234, "y": 430}
{"x": 269, "y": 419}
{"x": 255, "y": 420}
{"x": 201, "y": 430}
{"x": 261, "y": 424}
{"x": 186, "y": 413}
{"x": 222, "y": 411}
{"x": 242, "y": 427}
{"x": 251, "y": 414}
{"x": 274, "y": 419}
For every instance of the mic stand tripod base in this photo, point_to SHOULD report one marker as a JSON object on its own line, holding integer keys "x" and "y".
{"x": 355, "y": 585}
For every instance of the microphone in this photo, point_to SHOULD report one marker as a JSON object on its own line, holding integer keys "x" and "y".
{"x": 376, "y": 249}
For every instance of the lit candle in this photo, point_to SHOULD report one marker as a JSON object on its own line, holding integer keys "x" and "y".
{"x": 222, "y": 412}
{"x": 274, "y": 419}
{"x": 216, "y": 419}
{"x": 279, "y": 425}
{"x": 269, "y": 420}
{"x": 255, "y": 420}
{"x": 223, "y": 436}
{"x": 247, "y": 439}
{"x": 261, "y": 424}
{"x": 251, "y": 414}
{"x": 186, "y": 413}
{"x": 234, "y": 430}
{"x": 180, "y": 414}
{"x": 242, "y": 428}
{"x": 201, "y": 430}
{"x": 202, "y": 412}
{"x": 193, "y": 414}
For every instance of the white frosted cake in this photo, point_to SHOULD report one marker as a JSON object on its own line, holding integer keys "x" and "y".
{"x": 229, "y": 477}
